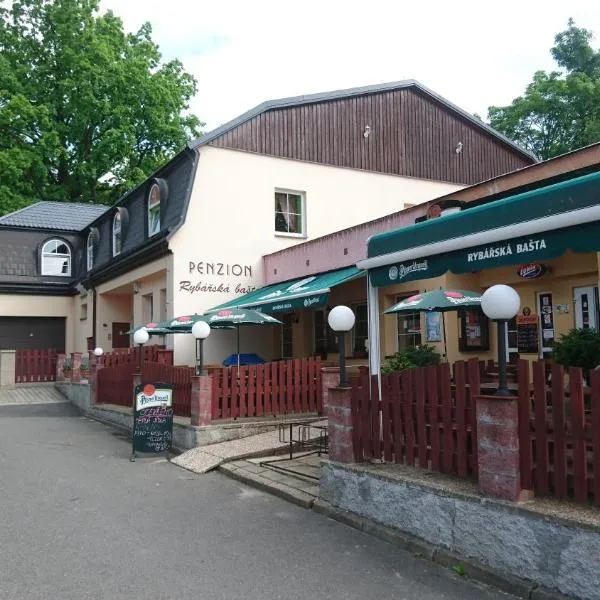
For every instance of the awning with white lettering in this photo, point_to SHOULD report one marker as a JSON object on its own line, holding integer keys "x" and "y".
{"x": 531, "y": 248}
{"x": 307, "y": 292}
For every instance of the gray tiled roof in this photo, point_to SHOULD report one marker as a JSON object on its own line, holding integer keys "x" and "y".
{"x": 348, "y": 93}
{"x": 65, "y": 216}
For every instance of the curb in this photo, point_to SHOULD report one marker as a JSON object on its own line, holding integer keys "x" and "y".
{"x": 297, "y": 497}
{"x": 445, "y": 558}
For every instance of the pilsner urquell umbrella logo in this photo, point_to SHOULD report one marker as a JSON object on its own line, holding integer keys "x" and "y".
{"x": 450, "y": 294}
{"x": 149, "y": 390}
{"x": 151, "y": 325}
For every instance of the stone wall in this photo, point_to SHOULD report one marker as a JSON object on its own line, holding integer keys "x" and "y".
{"x": 559, "y": 554}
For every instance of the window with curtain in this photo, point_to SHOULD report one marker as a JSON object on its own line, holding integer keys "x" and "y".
{"x": 90, "y": 252}
{"x": 409, "y": 328}
{"x": 289, "y": 213}
{"x": 117, "y": 234}
{"x": 56, "y": 258}
{"x": 154, "y": 210}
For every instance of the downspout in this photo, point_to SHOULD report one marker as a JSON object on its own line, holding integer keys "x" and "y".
{"x": 94, "y": 318}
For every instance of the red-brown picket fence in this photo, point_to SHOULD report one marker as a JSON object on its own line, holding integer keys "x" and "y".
{"x": 115, "y": 384}
{"x": 426, "y": 417}
{"x": 283, "y": 387}
{"x": 559, "y": 433}
{"x": 35, "y": 366}
{"x": 122, "y": 356}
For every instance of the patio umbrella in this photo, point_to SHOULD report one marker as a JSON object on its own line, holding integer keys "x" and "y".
{"x": 438, "y": 301}
{"x": 226, "y": 319}
{"x": 154, "y": 328}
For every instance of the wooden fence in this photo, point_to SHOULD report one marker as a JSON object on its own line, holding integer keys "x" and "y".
{"x": 35, "y": 366}
{"x": 115, "y": 384}
{"x": 152, "y": 353}
{"x": 559, "y": 432}
{"x": 283, "y": 387}
{"x": 426, "y": 417}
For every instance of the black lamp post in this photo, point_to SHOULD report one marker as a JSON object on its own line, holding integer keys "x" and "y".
{"x": 140, "y": 337}
{"x": 200, "y": 331}
{"x": 501, "y": 303}
{"x": 341, "y": 319}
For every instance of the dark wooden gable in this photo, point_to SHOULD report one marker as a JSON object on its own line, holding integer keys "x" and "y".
{"x": 411, "y": 134}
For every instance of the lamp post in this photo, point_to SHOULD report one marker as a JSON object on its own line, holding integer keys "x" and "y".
{"x": 200, "y": 331}
{"x": 501, "y": 303}
{"x": 341, "y": 319}
{"x": 140, "y": 337}
{"x": 98, "y": 352}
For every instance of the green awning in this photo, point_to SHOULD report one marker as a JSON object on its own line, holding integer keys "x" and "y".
{"x": 307, "y": 292}
{"x": 548, "y": 205}
{"x": 532, "y": 248}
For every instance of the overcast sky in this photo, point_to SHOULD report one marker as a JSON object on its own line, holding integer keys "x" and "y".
{"x": 242, "y": 52}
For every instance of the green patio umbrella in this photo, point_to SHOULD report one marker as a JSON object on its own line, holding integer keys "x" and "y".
{"x": 154, "y": 328}
{"x": 225, "y": 319}
{"x": 438, "y": 301}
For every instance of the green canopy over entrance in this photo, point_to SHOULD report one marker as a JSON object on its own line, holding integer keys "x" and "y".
{"x": 307, "y": 292}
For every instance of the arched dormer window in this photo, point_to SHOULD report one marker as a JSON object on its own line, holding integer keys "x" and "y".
{"x": 90, "y": 251}
{"x": 154, "y": 209}
{"x": 117, "y": 234}
{"x": 56, "y": 258}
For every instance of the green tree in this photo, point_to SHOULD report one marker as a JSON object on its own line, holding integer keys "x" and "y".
{"x": 559, "y": 111}
{"x": 87, "y": 111}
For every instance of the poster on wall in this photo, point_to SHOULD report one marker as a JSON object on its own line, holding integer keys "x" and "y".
{"x": 433, "y": 327}
{"x": 152, "y": 419}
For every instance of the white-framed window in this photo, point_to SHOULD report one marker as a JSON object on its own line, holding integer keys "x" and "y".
{"x": 56, "y": 258}
{"x": 154, "y": 210}
{"x": 409, "y": 327}
{"x": 290, "y": 213}
{"x": 90, "y": 252}
{"x": 117, "y": 234}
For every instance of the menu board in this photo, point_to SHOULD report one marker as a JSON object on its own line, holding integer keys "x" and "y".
{"x": 152, "y": 419}
{"x": 527, "y": 334}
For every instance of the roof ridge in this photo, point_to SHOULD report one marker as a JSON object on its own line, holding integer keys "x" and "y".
{"x": 345, "y": 93}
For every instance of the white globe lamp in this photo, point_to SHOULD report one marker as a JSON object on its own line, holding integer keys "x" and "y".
{"x": 200, "y": 331}
{"x": 341, "y": 319}
{"x": 501, "y": 303}
{"x": 140, "y": 337}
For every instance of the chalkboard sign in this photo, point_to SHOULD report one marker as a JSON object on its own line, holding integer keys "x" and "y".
{"x": 152, "y": 419}
{"x": 527, "y": 334}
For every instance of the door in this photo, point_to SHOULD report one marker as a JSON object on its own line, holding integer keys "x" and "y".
{"x": 586, "y": 307}
{"x": 120, "y": 337}
{"x": 512, "y": 347}
{"x": 40, "y": 333}
{"x": 546, "y": 322}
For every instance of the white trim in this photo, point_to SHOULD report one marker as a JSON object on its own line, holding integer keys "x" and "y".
{"x": 53, "y": 257}
{"x": 566, "y": 219}
{"x": 302, "y": 213}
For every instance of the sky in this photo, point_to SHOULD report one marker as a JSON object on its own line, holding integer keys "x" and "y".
{"x": 475, "y": 54}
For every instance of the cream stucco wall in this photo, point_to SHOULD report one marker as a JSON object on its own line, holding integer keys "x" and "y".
{"x": 43, "y": 306}
{"x": 230, "y": 226}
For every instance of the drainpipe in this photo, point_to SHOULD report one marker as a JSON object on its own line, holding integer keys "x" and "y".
{"x": 94, "y": 318}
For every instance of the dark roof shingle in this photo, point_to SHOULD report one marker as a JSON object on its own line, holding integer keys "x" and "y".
{"x": 64, "y": 216}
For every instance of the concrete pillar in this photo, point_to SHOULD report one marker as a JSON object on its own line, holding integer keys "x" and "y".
{"x": 75, "y": 366}
{"x": 498, "y": 448}
{"x": 7, "y": 368}
{"x": 330, "y": 378}
{"x": 201, "y": 404}
{"x": 339, "y": 426}
{"x": 60, "y": 365}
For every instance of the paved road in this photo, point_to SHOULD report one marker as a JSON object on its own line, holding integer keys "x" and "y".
{"x": 79, "y": 521}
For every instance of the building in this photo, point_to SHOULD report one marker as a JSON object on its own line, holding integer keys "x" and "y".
{"x": 193, "y": 235}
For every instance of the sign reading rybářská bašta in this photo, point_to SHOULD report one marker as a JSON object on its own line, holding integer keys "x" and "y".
{"x": 153, "y": 418}
{"x": 506, "y": 249}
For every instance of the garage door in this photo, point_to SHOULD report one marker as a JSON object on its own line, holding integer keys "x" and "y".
{"x": 32, "y": 332}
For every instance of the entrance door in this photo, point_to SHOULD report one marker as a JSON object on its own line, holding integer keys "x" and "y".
{"x": 546, "y": 317}
{"x": 120, "y": 337}
{"x": 586, "y": 307}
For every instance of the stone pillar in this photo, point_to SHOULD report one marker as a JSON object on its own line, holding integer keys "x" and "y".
{"x": 339, "y": 426}
{"x": 330, "y": 378}
{"x": 498, "y": 448}
{"x": 96, "y": 364}
{"x": 60, "y": 365}
{"x": 75, "y": 365}
{"x": 201, "y": 406}
{"x": 7, "y": 368}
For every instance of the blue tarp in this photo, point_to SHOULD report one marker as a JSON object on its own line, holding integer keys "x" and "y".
{"x": 245, "y": 359}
